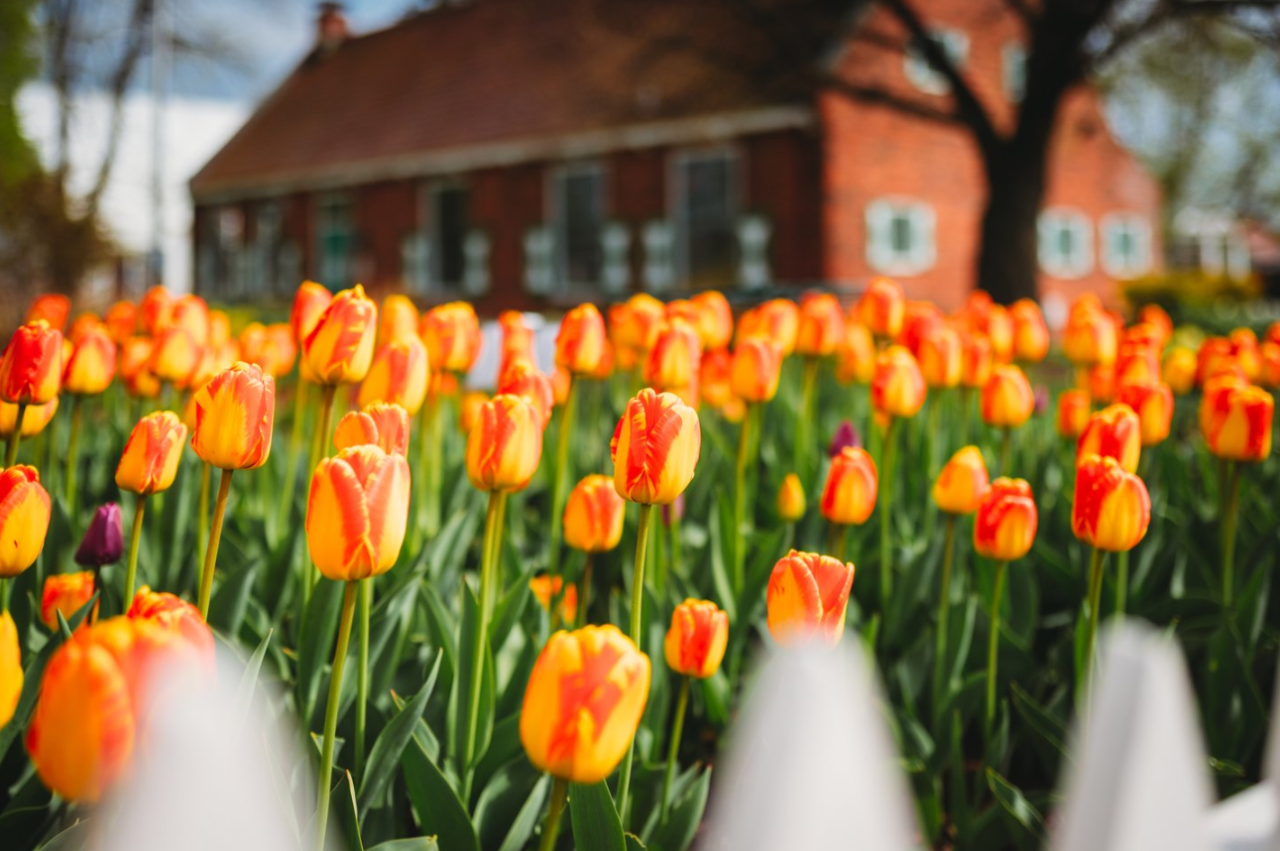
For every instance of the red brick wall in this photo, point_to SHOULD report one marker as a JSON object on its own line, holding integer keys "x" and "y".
{"x": 876, "y": 151}
{"x": 385, "y": 213}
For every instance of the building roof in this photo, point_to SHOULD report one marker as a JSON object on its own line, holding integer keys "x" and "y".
{"x": 500, "y": 76}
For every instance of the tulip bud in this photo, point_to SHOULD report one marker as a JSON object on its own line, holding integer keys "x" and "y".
{"x": 715, "y": 377}
{"x": 1111, "y": 508}
{"x": 697, "y": 638}
{"x": 1113, "y": 432}
{"x": 791, "y": 499}
{"x": 998, "y": 328}
{"x": 52, "y": 308}
{"x": 1153, "y": 403}
{"x": 920, "y": 319}
{"x": 941, "y": 358}
{"x": 1090, "y": 336}
{"x": 593, "y": 515}
{"x": 1074, "y": 410}
{"x": 1005, "y": 525}
{"x": 235, "y": 412}
{"x": 821, "y": 327}
{"x": 1215, "y": 357}
{"x": 1157, "y": 317}
{"x": 675, "y": 359}
{"x": 469, "y": 410}
{"x": 135, "y": 371}
{"x": 1101, "y": 381}
{"x": 586, "y": 694}
{"x": 856, "y": 359}
{"x": 849, "y": 495}
{"x": 382, "y": 425}
{"x": 398, "y": 375}
{"x": 1235, "y": 419}
{"x": 1270, "y": 375}
{"x": 154, "y": 310}
{"x": 776, "y": 321}
{"x": 881, "y": 308}
{"x": 151, "y": 455}
{"x": 64, "y": 593}
{"x": 517, "y": 338}
{"x": 31, "y": 368}
{"x": 807, "y": 597}
{"x": 24, "y": 519}
{"x": 757, "y": 366}
{"x": 92, "y": 364}
{"x": 963, "y": 482}
{"x": 580, "y": 342}
{"x": 339, "y": 349}
{"x": 1137, "y": 363}
{"x": 357, "y": 513}
{"x": 103, "y": 541}
{"x": 1030, "y": 333}
{"x": 655, "y": 448}
{"x": 1244, "y": 347}
{"x": 504, "y": 445}
{"x": 634, "y": 325}
{"x": 399, "y": 319}
{"x": 898, "y": 388}
{"x": 175, "y": 356}
{"x": 309, "y": 304}
{"x": 546, "y": 588}
{"x": 191, "y": 313}
{"x": 716, "y": 325}
{"x": 34, "y": 419}
{"x": 845, "y": 437}
{"x": 177, "y": 617}
{"x": 11, "y": 677}
{"x": 451, "y": 333}
{"x": 976, "y": 361}
{"x": 1007, "y": 400}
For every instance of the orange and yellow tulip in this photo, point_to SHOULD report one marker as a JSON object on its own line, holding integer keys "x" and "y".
{"x": 856, "y": 359}
{"x": 1216, "y": 356}
{"x": 696, "y": 639}
{"x": 53, "y": 308}
{"x": 586, "y": 694}
{"x": 963, "y": 482}
{"x": 521, "y": 378}
{"x": 11, "y": 677}
{"x": 1005, "y": 525}
{"x": 191, "y": 313}
{"x": 777, "y": 321}
{"x": 1111, "y": 508}
{"x": 881, "y": 308}
{"x": 821, "y": 327}
{"x": 398, "y": 375}
{"x": 675, "y": 359}
{"x": 309, "y": 304}
{"x": 175, "y": 356}
{"x": 1030, "y": 333}
{"x": 757, "y": 366}
{"x": 1235, "y": 419}
{"x": 504, "y": 445}
{"x": 92, "y": 364}
{"x": 150, "y": 459}
{"x": 593, "y": 515}
{"x": 179, "y": 618}
{"x": 1090, "y": 335}
{"x": 919, "y": 320}
{"x": 1074, "y": 410}
{"x": 655, "y": 448}
{"x": 235, "y": 412}
{"x": 33, "y": 421}
{"x": 791, "y": 499}
{"x": 154, "y": 310}
{"x": 976, "y": 361}
{"x": 357, "y": 513}
{"x": 1113, "y": 432}
{"x": 849, "y": 495}
{"x": 580, "y": 342}
{"x": 399, "y": 319}
{"x": 469, "y": 408}
{"x": 383, "y": 425}
{"x": 941, "y": 358}
{"x": 135, "y": 369}
{"x": 1007, "y": 399}
{"x": 898, "y": 388}
{"x": 517, "y": 338}
{"x": 1137, "y": 363}
{"x": 546, "y": 588}
{"x": 121, "y": 320}
{"x": 715, "y": 378}
{"x": 31, "y": 368}
{"x": 716, "y": 326}
{"x": 1153, "y": 403}
{"x": 64, "y": 593}
{"x": 24, "y": 519}
{"x": 339, "y": 349}
{"x": 451, "y": 333}
{"x": 807, "y": 597}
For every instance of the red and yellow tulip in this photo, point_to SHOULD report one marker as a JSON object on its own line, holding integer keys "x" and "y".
{"x": 358, "y": 512}
{"x": 807, "y": 597}
{"x": 655, "y": 448}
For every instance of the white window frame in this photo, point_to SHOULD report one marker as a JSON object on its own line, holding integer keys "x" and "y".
{"x": 1051, "y": 222}
{"x": 1013, "y": 70}
{"x": 556, "y": 219}
{"x": 921, "y": 73}
{"x": 881, "y": 253}
{"x": 677, "y": 196}
{"x": 1110, "y": 227}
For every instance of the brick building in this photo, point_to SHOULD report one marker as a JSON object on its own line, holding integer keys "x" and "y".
{"x": 529, "y": 155}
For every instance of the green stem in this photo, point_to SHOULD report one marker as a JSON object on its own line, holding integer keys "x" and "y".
{"x": 434, "y": 467}
{"x": 676, "y": 544}
{"x": 135, "y": 537}
{"x": 4, "y": 594}
{"x": 993, "y": 648}
{"x": 11, "y": 454}
{"x": 202, "y": 517}
{"x": 944, "y": 612}
{"x": 637, "y": 603}
{"x": 365, "y": 601}
{"x": 73, "y": 453}
{"x": 966, "y": 393}
{"x": 551, "y": 827}
{"x": 886, "y": 503}
{"x": 295, "y": 449}
{"x": 840, "y": 532}
{"x": 677, "y": 729}
{"x": 331, "y": 711}
{"x": 808, "y": 384}
{"x": 1091, "y": 619}
{"x": 740, "y": 501}
{"x": 215, "y": 536}
{"x": 1005, "y": 441}
{"x": 1230, "y": 514}
{"x": 1122, "y": 582}
{"x": 932, "y": 436}
{"x": 492, "y": 542}
{"x": 319, "y": 448}
{"x": 564, "y": 473}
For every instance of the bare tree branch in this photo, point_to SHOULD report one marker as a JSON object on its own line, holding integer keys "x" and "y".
{"x": 881, "y": 97}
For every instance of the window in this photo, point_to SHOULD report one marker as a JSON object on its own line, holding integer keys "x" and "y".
{"x": 1013, "y": 71}
{"x": 450, "y": 219}
{"x": 335, "y": 242}
{"x": 1066, "y": 245}
{"x": 921, "y": 72}
{"x": 1126, "y": 245}
{"x": 577, "y": 217}
{"x": 267, "y": 238}
{"x": 706, "y": 217}
{"x": 230, "y": 253}
{"x": 900, "y": 236}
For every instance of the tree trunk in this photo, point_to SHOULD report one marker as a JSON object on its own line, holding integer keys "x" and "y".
{"x": 1007, "y": 254}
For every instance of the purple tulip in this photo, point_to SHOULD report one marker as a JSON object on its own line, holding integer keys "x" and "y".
{"x": 103, "y": 543}
{"x": 674, "y": 510}
{"x": 846, "y": 437}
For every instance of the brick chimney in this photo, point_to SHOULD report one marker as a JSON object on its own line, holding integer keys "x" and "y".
{"x": 331, "y": 26}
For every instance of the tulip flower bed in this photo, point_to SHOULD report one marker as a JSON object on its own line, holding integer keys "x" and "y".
{"x": 527, "y": 620}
